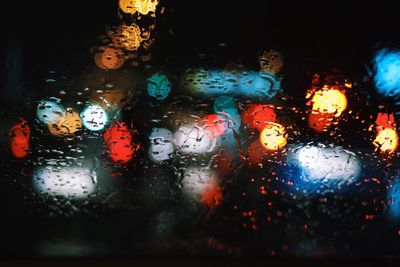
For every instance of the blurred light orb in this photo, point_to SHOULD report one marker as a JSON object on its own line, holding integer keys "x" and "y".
{"x": 110, "y": 58}
{"x": 385, "y": 120}
{"x": 225, "y": 104}
{"x": 325, "y": 164}
{"x": 75, "y": 182}
{"x": 109, "y": 99}
{"x": 214, "y": 125}
{"x": 161, "y": 145}
{"x": 320, "y": 122}
{"x": 257, "y": 116}
{"x": 94, "y": 118}
{"x": 231, "y": 82}
{"x": 68, "y": 125}
{"x": 330, "y": 101}
{"x": 49, "y": 112}
{"x": 387, "y": 140}
{"x": 273, "y": 136}
{"x": 232, "y": 122}
{"x": 386, "y": 72}
{"x": 201, "y": 185}
{"x": 393, "y": 199}
{"x": 20, "y": 135}
{"x": 119, "y": 142}
{"x": 192, "y": 139}
{"x": 128, "y": 37}
{"x": 221, "y": 82}
{"x": 258, "y": 84}
{"x": 158, "y": 86}
{"x": 141, "y": 6}
{"x": 210, "y": 82}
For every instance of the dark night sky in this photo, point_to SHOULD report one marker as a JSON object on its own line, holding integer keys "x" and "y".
{"x": 311, "y": 34}
{"x": 314, "y": 27}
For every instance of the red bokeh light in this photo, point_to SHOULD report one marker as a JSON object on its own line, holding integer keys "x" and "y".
{"x": 20, "y": 135}
{"x": 214, "y": 125}
{"x": 257, "y": 116}
{"x": 120, "y": 142}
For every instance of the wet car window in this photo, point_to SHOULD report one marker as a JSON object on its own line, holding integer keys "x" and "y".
{"x": 143, "y": 128}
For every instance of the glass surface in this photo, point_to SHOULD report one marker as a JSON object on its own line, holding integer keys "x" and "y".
{"x": 191, "y": 129}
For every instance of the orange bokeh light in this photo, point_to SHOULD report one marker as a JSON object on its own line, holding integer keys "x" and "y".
{"x": 109, "y": 59}
{"x": 387, "y": 139}
{"x": 329, "y": 100}
{"x": 327, "y": 104}
{"x": 141, "y": 6}
{"x": 66, "y": 126}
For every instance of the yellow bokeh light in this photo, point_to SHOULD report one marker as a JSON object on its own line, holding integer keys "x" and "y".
{"x": 128, "y": 37}
{"x": 330, "y": 101}
{"x": 387, "y": 140}
{"x": 141, "y": 6}
{"x": 273, "y": 136}
{"x": 66, "y": 126}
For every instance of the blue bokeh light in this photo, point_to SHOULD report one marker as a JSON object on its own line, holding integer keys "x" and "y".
{"x": 225, "y": 104}
{"x": 393, "y": 199}
{"x": 158, "y": 86}
{"x": 250, "y": 84}
{"x": 49, "y": 112}
{"x": 386, "y": 73}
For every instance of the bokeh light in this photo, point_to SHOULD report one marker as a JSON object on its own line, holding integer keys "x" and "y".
{"x": 201, "y": 185}
{"x": 161, "y": 147}
{"x": 128, "y": 37}
{"x": 257, "y": 116}
{"x": 273, "y": 136}
{"x": 386, "y": 72}
{"x": 393, "y": 199}
{"x": 94, "y": 118}
{"x": 49, "y": 112}
{"x": 192, "y": 139}
{"x": 325, "y": 164}
{"x": 119, "y": 141}
{"x": 387, "y": 140}
{"x": 64, "y": 181}
{"x": 138, "y": 6}
{"x": 214, "y": 125}
{"x": 66, "y": 126}
{"x": 225, "y": 104}
{"x": 158, "y": 86}
{"x": 20, "y": 135}
{"x": 329, "y": 100}
{"x": 110, "y": 58}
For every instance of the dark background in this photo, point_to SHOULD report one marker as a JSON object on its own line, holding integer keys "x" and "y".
{"x": 337, "y": 32}
{"x": 312, "y": 35}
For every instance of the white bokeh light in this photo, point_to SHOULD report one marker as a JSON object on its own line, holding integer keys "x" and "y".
{"x": 197, "y": 181}
{"x": 94, "y": 118}
{"x": 325, "y": 164}
{"x": 191, "y": 139}
{"x": 67, "y": 181}
{"x": 161, "y": 147}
